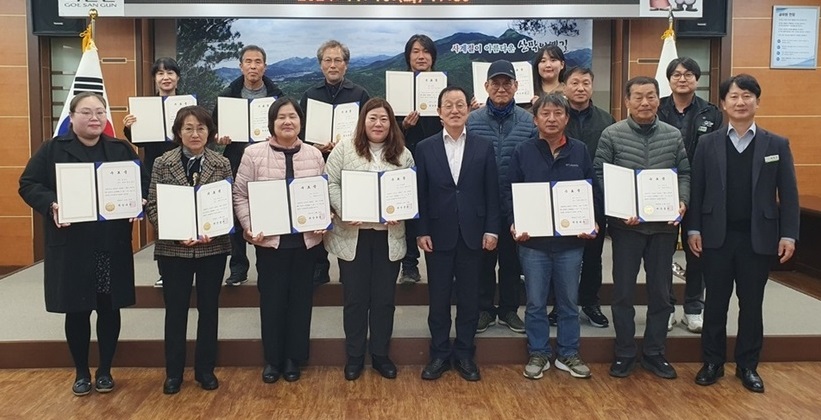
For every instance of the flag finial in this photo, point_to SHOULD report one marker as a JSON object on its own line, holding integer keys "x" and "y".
{"x": 669, "y": 32}
{"x": 88, "y": 34}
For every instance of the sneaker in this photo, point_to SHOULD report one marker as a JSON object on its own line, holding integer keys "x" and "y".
{"x": 693, "y": 322}
{"x": 410, "y": 275}
{"x": 512, "y": 320}
{"x": 671, "y": 321}
{"x": 622, "y": 367}
{"x": 158, "y": 283}
{"x": 574, "y": 365}
{"x": 595, "y": 316}
{"x": 553, "y": 317}
{"x": 658, "y": 365}
{"x": 236, "y": 279}
{"x": 486, "y": 320}
{"x": 537, "y": 364}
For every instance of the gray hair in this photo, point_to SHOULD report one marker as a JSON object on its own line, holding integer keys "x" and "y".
{"x": 346, "y": 53}
{"x": 554, "y": 99}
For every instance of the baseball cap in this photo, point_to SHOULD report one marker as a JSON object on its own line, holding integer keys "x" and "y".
{"x": 501, "y": 68}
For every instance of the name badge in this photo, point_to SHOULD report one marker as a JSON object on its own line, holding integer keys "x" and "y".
{"x": 770, "y": 158}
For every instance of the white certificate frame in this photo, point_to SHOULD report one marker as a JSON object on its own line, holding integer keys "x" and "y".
{"x": 76, "y": 192}
{"x": 427, "y": 86}
{"x": 176, "y": 213}
{"x": 532, "y": 209}
{"x": 398, "y": 195}
{"x": 360, "y": 196}
{"x": 268, "y": 206}
{"x": 479, "y": 70}
{"x": 524, "y": 78}
{"x": 232, "y": 119}
{"x": 399, "y": 91}
{"x": 319, "y": 119}
{"x": 657, "y": 195}
{"x": 258, "y": 118}
{"x": 573, "y": 210}
{"x": 311, "y": 206}
{"x": 345, "y": 116}
{"x": 619, "y": 185}
{"x": 119, "y": 192}
{"x": 150, "y": 124}
{"x": 215, "y": 209}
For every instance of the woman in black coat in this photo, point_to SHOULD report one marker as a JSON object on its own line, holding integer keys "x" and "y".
{"x": 88, "y": 266}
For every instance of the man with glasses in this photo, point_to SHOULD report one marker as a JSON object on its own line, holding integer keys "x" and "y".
{"x": 456, "y": 174}
{"x": 333, "y": 57}
{"x": 694, "y": 117}
{"x": 505, "y": 125}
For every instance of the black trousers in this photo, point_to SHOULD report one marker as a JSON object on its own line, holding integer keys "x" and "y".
{"x": 509, "y": 271}
{"x": 369, "y": 285}
{"x": 285, "y": 302}
{"x": 591, "y": 277}
{"x": 693, "y": 278}
{"x": 178, "y": 279}
{"x": 78, "y": 336}
{"x": 239, "y": 263}
{"x": 735, "y": 262}
{"x": 461, "y": 263}
{"x": 411, "y": 259}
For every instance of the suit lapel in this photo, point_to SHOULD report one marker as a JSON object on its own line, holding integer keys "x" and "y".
{"x": 720, "y": 152}
{"x": 762, "y": 143}
{"x": 176, "y": 169}
{"x": 207, "y": 167}
{"x": 467, "y": 157}
{"x": 442, "y": 156}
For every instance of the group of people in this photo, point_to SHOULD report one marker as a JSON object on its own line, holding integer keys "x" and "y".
{"x": 737, "y": 192}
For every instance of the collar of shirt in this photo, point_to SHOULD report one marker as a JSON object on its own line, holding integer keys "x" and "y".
{"x": 462, "y": 136}
{"x": 741, "y": 142}
{"x": 454, "y": 151}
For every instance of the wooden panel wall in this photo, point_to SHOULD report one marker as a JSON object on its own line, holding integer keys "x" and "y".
{"x": 789, "y": 104}
{"x": 15, "y": 216}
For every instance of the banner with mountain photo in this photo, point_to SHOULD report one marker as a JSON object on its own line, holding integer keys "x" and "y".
{"x": 207, "y": 48}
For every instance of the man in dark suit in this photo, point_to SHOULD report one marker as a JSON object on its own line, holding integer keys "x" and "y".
{"x": 744, "y": 212}
{"x": 459, "y": 218}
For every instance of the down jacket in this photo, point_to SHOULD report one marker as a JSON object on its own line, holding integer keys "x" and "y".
{"x": 504, "y": 134}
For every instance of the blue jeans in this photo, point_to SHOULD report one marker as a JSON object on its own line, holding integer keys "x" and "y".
{"x": 562, "y": 268}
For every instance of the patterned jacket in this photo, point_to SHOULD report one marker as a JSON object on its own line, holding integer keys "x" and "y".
{"x": 341, "y": 241}
{"x": 262, "y": 163}
{"x": 168, "y": 170}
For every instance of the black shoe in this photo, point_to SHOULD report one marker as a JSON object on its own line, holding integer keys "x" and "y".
{"x": 553, "y": 317}
{"x": 171, "y": 386}
{"x": 82, "y": 386}
{"x": 384, "y": 366}
{"x": 468, "y": 370}
{"x": 709, "y": 374}
{"x": 435, "y": 369}
{"x": 207, "y": 381}
{"x": 354, "y": 367}
{"x": 410, "y": 275}
{"x": 270, "y": 374}
{"x": 104, "y": 384}
{"x": 750, "y": 379}
{"x": 595, "y": 316}
{"x": 512, "y": 320}
{"x": 236, "y": 279}
{"x": 622, "y": 367}
{"x": 290, "y": 372}
{"x": 658, "y": 365}
{"x": 321, "y": 275}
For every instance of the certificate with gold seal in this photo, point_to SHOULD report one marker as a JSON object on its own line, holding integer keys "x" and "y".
{"x": 326, "y": 123}
{"x": 119, "y": 190}
{"x": 532, "y": 209}
{"x": 573, "y": 211}
{"x": 310, "y": 204}
{"x": 658, "y": 199}
{"x": 398, "y": 198}
{"x": 428, "y": 86}
{"x": 215, "y": 210}
{"x": 258, "y": 118}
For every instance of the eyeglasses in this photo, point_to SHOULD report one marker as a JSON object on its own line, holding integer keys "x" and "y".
{"x": 191, "y": 130}
{"x": 448, "y": 106}
{"x": 686, "y": 76}
{"x": 328, "y": 61}
{"x": 507, "y": 84}
{"x": 87, "y": 113}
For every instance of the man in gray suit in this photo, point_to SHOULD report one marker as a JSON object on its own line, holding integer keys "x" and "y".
{"x": 740, "y": 223}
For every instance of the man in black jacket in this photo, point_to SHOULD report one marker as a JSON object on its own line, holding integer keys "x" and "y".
{"x": 251, "y": 85}
{"x": 693, "y": 116}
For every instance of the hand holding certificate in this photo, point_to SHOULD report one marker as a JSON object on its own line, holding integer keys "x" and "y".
{"x": 379, "y": 197}
{"x": 327, "y": 123}
{"x": 98, "y": 191}
{"x": 558, "y": 208}
{"x": 243, "y": 120}
{"x": 310, "y": 204}
{"x": 407, "y": 92}
{"x": 155, "y": 116}
{"x": 650, "y": 195}
{"x": 187, "y": 213}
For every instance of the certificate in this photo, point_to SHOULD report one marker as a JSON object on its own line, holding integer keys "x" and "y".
{"x": 150, "y": 125}
{"x": 619, "y": 191}
{"x": 76, "y": 194}
{"x": 258, "y": 118}
{"x": 268, "y": 204}
{"x": 573, "y": 211}
{"x": 215, "y": 210}
{"x": 524, "y": 75}
{"x": 119, "y": 190}
{"x": 310, "y": 205}
{"x": 657, "y": 195}
{"x": 399, "y": 91}
{"x": 428, "y": 86}
{"x": 531, "y": 209}
{"x": 232, "y": 119}
{"x": 398, "y": 195}
{"x": 176, "y": 213}
{"x": 173, "y": 105}
{"x": 330, "y": 123}
{"x": 360, "y": 196}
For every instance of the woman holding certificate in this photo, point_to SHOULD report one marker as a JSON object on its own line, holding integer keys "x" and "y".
{"x": 190, "y": 164}
{"x": 166, "y": 74}
{"x": 88, "y": 266}
{"x": 548, "y": 71}
{"x": 285, "y": 263}
{"x": 369, "y": 253}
